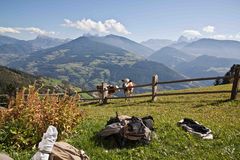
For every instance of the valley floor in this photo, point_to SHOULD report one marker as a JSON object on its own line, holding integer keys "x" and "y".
{"x": 170, "y": 141}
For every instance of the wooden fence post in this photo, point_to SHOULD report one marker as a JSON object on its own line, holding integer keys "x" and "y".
{"x": 235, "y": 83}
{"x": 8, "y": 100}
{"x": 154, "y": 87}
{"x": 104, "y": 93}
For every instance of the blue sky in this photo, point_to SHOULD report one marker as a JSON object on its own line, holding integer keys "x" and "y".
{"x": 135, "y": 19}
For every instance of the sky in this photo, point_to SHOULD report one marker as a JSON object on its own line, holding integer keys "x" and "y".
{"x": 138, "y": 20}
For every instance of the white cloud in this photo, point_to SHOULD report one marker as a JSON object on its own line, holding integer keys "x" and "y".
{"x": 117, "y": 26}
{"x": 191, "y": 33}
{"x": 226, "y": 37}
{"x": 8, "y": 30}
{"x": 33, "y": 30}
{"x": 209, "y": 29}
{"x": 237, "y": 36}
{"x": 36, "y": 30}
{"x": 88, "y": 25}
{"x": 219, "y": 37}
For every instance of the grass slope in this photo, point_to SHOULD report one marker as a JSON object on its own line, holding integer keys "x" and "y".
{"x": 170, "y": 142}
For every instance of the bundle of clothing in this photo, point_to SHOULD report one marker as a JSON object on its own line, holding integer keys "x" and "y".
{"x": 196, "y": 128}
{"x": 125, "y": 129}
{"x": 49, "y": 149}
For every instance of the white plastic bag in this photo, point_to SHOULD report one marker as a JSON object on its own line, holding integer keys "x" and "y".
{"x": 45, "y": 146}
{"x": 48, "y": 140}
{"x": 40, "y": 156}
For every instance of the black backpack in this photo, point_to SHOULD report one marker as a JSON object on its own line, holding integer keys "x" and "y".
{"x": 124, "y": 129}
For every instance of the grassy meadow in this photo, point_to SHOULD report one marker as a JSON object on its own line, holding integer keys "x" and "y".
{"x": 169, "y": 140}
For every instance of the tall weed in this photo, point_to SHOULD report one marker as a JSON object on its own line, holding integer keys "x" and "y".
{"x": 29, "y": 115}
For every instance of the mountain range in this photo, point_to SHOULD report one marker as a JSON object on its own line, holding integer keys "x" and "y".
{"x": 206, "y": 66}
{"x": 212, "y": 47}
{"x": 198, "y": 47}
{"x": 12, "y": 48}
{"x": 199, "y": 58}
{"x": 90, "y": 60}
{"x": 86, "y": 61}
{"x": 157, "y": 44}
{"x": 40, "y": 42}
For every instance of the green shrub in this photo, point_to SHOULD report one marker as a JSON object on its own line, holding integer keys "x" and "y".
{"x": 28, "y": 116}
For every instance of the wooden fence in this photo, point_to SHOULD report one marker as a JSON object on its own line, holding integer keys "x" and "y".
{"x": 154, "y": 85}
{"x": 6, "y": 97}
{"x": 155, "y": 82}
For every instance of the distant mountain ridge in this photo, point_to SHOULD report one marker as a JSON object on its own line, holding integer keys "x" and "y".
{"x": 12, "y": 49}
{"x": 170, "y": 56}
{"x": 8, "y": 40}
{"x": 124, "y": 43}
{"x": 206, "y": 66}
{"x": 19, "y": 48}
{"x": 44, "y": 42}
{"x": 212, "y": 47}
{"x": 157, "y": 44}
{"x": 186, "y": 39}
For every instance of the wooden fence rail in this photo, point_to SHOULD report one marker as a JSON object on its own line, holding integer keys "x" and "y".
{"x": 193, "y": 79}
{"x": 199, "y": 92}
{"x": 154, "y": 85}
